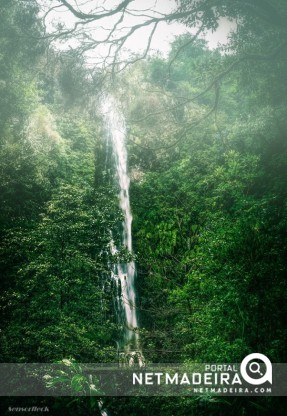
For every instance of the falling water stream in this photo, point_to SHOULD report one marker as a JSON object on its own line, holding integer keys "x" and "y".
{"x": 124, "y": 273}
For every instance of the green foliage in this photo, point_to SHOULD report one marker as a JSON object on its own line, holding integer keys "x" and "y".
{"x": 17, "y": 55}
{"x": 211, "y": 244}
{"x": 63, "y": 270}
{"x": 72, "y": 380}
{"x": 54, "y": 221}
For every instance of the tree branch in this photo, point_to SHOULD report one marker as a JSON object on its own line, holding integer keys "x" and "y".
{"x": 80, "y": 15}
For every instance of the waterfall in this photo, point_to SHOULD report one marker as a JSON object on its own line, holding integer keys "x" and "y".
{"x": 124, "y": 273}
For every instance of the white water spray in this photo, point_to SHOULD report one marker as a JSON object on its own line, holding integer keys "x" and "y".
{"x": 124, "y": 274}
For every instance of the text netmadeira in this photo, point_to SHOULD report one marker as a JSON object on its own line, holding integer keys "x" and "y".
{"x": 158, "y": 378}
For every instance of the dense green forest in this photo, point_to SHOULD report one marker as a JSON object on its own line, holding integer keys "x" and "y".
{"x": 207, "y": 157}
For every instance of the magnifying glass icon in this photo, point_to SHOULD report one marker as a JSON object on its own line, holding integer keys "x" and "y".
{"x": 255, "y": 368}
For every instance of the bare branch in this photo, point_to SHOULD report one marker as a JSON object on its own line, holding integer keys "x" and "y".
{"x": 145, "y": 52}
{"x": 80, "y": 15}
